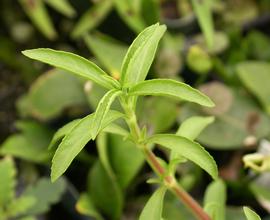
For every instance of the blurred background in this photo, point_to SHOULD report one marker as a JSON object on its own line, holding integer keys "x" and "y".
{"x": 219, "y": 47}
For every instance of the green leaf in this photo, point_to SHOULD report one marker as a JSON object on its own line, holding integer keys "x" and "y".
{"x": 250, "y": 214}
{"x": 116, "y": 129}
{"x": 52, "y": 93}
{"x": 8, "y": 181}
{"x": 150, "y": 5}
{"x": 255, "y": 75}
{"x": 63, "y": 6}
{"x": 92, "y": 17}
{"x": 72, "y": 63}
{"x": 203, "y": 12}
{"x": 86, "y": 207}
{"x": 140, "y": 55}
{"x": 105, "y": 192}
{"x": 75, "y": 141}
{"x": 108, "y": 51}
{"x": 188, "y": 149}
{"x": 215, "y": 200}
{"x": 21, "y": 205}
{"x": 193, "y": 126}
{"x": 46, "y": 193}
{"x": 31, "y": 144}
{"x": 170, "y": 88}
{"x": 37, "y": 12}
{"x": 102, "y": 109}
{"x": 154, "y": 206}
{"x": 28, "y": 218}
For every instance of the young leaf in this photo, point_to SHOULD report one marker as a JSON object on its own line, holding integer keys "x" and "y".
{"x": 188, "y": 149}
{"x": 215, "y": 200}
{"x": 102, "y": 109}
{"x": 8, "y": 181}
{"x": 140, "y": 55}
{"x": 21, "y": 205}
{"x": 203, "y": 12}
{"x": 250, "y": 214}
{"x": 92, "y": 17}
{"x": 72, "y": 63}
{"x": 154, "y": 206}
{"x": 63, "y": 6}
{"x": 74, "y": 142}
{"x": 171, "y": 88}
{"x": 193, "y": 126}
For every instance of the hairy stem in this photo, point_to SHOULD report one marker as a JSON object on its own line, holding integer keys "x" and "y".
{"x": 152, "y": 160}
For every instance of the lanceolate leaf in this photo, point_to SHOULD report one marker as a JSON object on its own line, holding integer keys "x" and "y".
{"x": 102, "y": 109}
{"x": 63, "y": 6}
{"x": 188, "y": 149}
{"x": 72, "y": 63}
{"x": 154, "y": 206}
{"x": 250, "y": 214}
{"x": 140, "y": 55}
{"x": 171, "y": 88}
{"x": 74, "y": 142}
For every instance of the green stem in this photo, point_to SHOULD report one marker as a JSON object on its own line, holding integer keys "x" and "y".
{"x": 152, "y": 160}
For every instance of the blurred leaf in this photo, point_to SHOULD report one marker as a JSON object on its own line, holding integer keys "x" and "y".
{"x": 250, "y": 214}
{"x": 204, "y": 15}
{"x": 255, "y": 75}
{"x": 53, "y": 92}
{"x": 8, "y": 181}
{"x": 21, "y": 205}
{"x": 153, "y": 208}
{"x": 140, "y": 55}
{"x": 46, "y": 193}
{"x": 75, "y": 141}
{"x": 37, "y": 12}
{"x": 215, "y": 200}
{"x": 74, "y": 64}
{"x": 188, "y": 149}
{"x": 126, "y": 159}
{"x": 86, "y": 207}
{"x": 149, "y": 11}
{"x": 235, "y": 213}
{"x": 92, "y": 17}
{"x": 31, "y": 144}
{"x": 105, "y": 192}
{"x": 130, "y": 14}
{"x": 62, "y": 6}
{"x": 237, "y": 118}
{"x": 108, "y": 51}
{"x": 261, "y": 193}
{"x": 28, "y": 218}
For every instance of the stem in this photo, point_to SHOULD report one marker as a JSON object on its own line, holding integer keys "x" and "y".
{"x": 152, "y": 160}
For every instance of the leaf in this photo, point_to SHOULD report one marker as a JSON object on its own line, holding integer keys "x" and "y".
{"x": 250, "y": 214}
{"x": 170, "y": 88}
{"x": 116, "y": 129}
{"x": 37, "y": 12}
{"x": 151, "y": 5}
{"x": 8, "y": 181}
{"x": 46, "y": 193}
{"x": 74, "y": 142}
{"x": 102, "y": 109}
{"x": 31, "y": 144}
{"x": 215, "y": 200}
{"x": 255, "y": 75}
{"x": 193, "y": 126}
{"x": 105, "y": 192}
{"x": 108, "y": 51}
{"x": 52, "y": 93}
{"x": 188, "y": 149}
{"x": 154, "y": 206}
{"x": 140, "y": 55}
{"x": 72, "y": 63}
{"x": 203, "y": 13}
{"x": 63, "y": 6}
{"x": 92, "y": 17}
{"x": 86, "y": 207}
{"x": 21, "y": 205}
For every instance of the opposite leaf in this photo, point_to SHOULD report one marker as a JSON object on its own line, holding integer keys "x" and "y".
{"x": 188, "y": 149}
{"x": 250, "y": 214}
{"x": 72, "y": 63}
{"x": 74, "y": 142}
{"x": 154, "y": 206}
{"x": 140, "y": 55}
{"x": 171, "y": 88}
